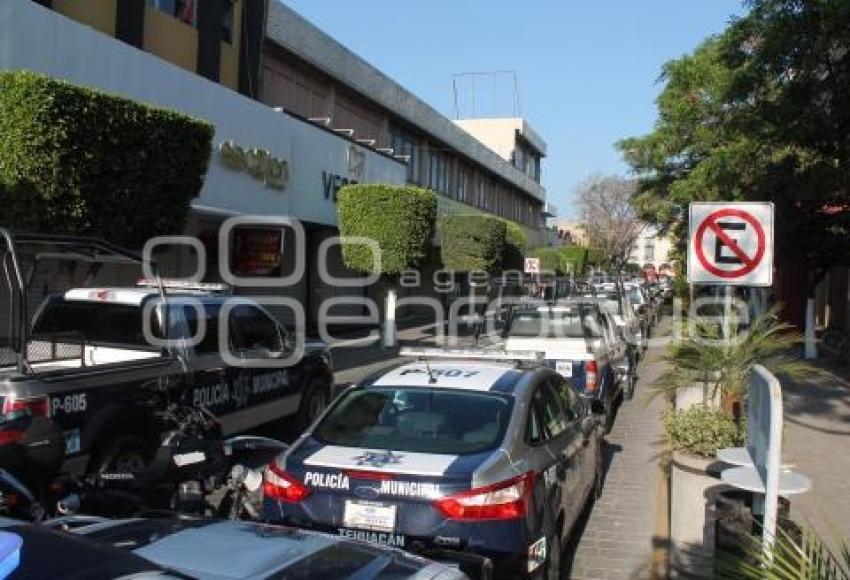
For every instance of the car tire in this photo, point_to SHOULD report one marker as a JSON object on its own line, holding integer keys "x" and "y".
{"x": 124, "y": 453}
{"x": 313, "y": 403}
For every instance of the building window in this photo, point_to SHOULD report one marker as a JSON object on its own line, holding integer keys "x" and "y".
{"x": 649, "y": 252}
{"x": 462, "y": 183}
{"x": 227, "y": 23}
{"x": 183, "y": 10}
{"x": 186, "y": 11}
{"x": 481, "y": 197}
{"x": 439, "y": 172}
{"x": 405, "y": 143}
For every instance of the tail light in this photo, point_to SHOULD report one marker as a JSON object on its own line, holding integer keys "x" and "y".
{"x": 499, "y": 501}
{"x": 35, "y": 405}
{"x": 591, "y": 374}
{"x": 9, "y": 436}
{"x": 279, "y": 485}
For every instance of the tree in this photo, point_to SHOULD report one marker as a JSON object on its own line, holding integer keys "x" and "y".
{"x": 760, "y": 112}
{"x": 610, "y": 219}
{"x": 399, "y": 219}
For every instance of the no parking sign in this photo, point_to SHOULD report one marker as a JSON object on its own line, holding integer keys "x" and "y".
{"x": 731, "y": 243}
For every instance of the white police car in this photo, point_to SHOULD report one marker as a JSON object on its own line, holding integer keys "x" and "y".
{"x": 458, "y": 456}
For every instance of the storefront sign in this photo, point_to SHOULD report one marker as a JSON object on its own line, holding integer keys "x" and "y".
{"x": 256, "y": 251}
{"x": 259, "y": 163}
{"x": 331, "y": 182}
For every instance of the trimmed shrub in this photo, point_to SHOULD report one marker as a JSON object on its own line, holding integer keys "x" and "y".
{"x": 515, "y": 234}
{"x": 399, "y": 218}
{"x": 77, "y": 161}
{"x": 472, "y": 242}
{"x": 702, "y": 431}
{"x": 515, "y": 243}
{"x": 595, "y": 257}
{"x": 550, "y": 259}
{"x": 573, "y": 259}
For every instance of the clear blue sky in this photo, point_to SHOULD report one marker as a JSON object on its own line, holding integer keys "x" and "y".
{"x": 587, "y": 69}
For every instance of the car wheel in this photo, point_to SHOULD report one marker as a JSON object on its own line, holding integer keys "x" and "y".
{"x": 123, "y": 454}
{"x": 313, "y": 403}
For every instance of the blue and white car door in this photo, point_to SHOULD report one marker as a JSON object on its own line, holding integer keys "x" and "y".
{"x": 562, "y": 476}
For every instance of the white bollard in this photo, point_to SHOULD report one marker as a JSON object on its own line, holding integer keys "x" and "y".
{"x": 390, "y": 332}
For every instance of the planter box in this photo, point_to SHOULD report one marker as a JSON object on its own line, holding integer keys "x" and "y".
{"x": 693, "y": 491}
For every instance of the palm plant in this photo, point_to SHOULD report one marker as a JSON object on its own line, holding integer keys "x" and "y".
{"x": 705, "y": 355}
{"x": 788, "y": 557}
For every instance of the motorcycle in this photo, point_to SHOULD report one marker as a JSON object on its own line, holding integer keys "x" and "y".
{"x": 194, "y": 471}
{"x": 32, "y": 450}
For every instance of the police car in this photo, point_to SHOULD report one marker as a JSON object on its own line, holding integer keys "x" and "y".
{"x": 457, "y": 454}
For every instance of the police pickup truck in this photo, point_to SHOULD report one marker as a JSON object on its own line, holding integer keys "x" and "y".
{"x": 89, "y": 358}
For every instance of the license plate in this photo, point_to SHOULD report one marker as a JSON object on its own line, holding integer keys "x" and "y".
{"x": 564, "y": 368}
{"x": 369, "y": 516}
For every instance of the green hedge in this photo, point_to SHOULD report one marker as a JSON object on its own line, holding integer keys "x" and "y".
{"x": 472, "y": 242}
{"x": 550, "y": 259}
{"x": 400, "y": 218}
{"x": 515, "y": 244}
{"x": 595, "y": 257}
{"x": 573, "y": 259}
{"x": 77, "y": 161}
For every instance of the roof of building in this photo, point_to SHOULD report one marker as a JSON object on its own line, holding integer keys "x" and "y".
{"x": 293, "y": 32}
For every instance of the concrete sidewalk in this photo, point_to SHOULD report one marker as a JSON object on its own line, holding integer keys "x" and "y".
{"x": 620, "y": 538}
{"x": 817, "y": 443}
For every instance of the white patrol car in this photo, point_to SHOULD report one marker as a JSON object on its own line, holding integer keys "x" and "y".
{"x": 458, "y": 455}
{"x": 579, "y": 340}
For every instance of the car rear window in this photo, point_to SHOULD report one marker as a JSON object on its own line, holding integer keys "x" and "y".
{"x": 417, "y": 420}
{"x": 576, "y": 323}
{"x": 94, "y": 323}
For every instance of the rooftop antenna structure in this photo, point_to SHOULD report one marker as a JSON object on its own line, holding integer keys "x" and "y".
{"x": 486, "y": 94}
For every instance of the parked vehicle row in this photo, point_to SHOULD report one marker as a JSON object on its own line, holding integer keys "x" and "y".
{"x": 118, "y": 401}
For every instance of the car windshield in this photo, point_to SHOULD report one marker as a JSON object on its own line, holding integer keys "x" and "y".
{"x": 417, "y": 420}
{"x": 561, "y": 323}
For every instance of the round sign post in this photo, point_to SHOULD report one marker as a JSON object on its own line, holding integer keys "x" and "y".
{"x": 731, "y": 243}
